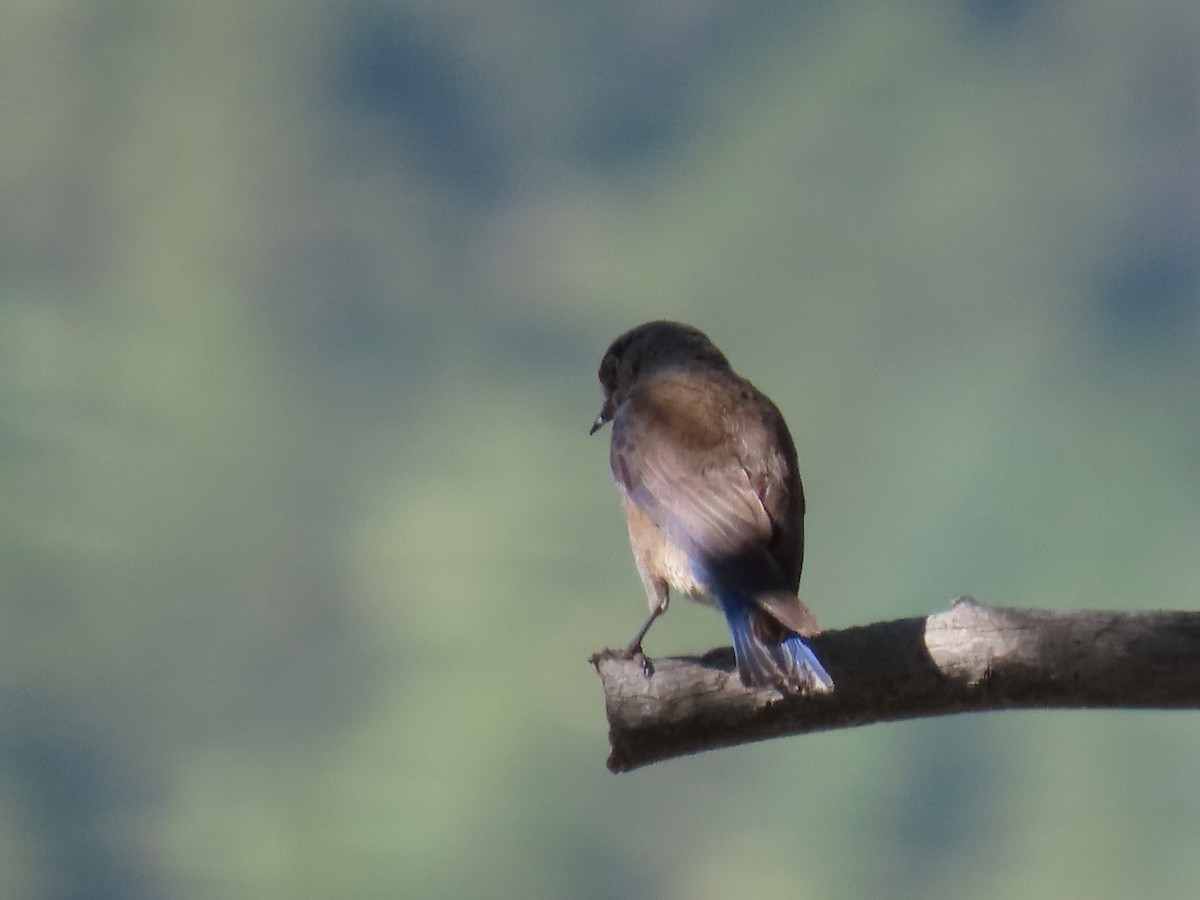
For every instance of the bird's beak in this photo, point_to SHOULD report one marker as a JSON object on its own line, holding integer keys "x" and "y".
{"x": 607, "y": 411}
{"x": 606, "y": 414}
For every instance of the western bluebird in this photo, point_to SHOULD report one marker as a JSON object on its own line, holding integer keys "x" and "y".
{"x": 708, "y": 478}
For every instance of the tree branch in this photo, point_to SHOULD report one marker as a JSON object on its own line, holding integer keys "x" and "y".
{"x": 971, "y": 658}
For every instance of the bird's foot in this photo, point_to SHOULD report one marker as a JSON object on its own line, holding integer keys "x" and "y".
{"x": 634, "y": 651}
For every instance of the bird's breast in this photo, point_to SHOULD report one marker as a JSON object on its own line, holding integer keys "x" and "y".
{"x": 659, "y": 559}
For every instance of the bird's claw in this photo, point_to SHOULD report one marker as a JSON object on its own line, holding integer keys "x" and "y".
{"x": 635, "y": 652}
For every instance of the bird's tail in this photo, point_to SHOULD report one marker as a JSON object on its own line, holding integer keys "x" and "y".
{"x": 768, "y": 655}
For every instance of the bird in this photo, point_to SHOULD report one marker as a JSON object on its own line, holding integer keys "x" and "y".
{"x": 709, "y": 481}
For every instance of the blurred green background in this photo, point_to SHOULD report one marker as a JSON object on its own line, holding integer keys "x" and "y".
{"x": 304, "y": 544}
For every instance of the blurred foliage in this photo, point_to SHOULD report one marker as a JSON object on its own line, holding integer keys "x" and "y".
{"x": 305, "y": 545}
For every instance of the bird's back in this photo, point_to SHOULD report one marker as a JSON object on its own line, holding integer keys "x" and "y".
{"x": 709, "y": 458}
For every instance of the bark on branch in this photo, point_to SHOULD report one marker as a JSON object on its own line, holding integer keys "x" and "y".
{"x": 970, "y": 658}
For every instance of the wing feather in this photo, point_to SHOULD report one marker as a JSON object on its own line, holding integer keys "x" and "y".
{"x": 724, "y": 496}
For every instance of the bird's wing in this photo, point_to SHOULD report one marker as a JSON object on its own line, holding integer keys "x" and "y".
{"x": 678, "y": 465}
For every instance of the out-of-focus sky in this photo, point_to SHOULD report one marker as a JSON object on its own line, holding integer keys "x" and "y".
{"x": 304, "y": 544}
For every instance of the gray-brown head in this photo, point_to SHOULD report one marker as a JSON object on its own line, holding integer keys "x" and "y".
{"x": 645, "y": 350}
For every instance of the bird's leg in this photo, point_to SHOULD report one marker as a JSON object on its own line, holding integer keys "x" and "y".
{"x": 635, "y": 645}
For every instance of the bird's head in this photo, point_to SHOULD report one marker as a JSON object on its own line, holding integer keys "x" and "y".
{"x": 645, "y": 351}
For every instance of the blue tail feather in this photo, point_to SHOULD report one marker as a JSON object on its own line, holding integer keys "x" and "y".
{"x": 790, "y": 664}
{"x": 805, "y": 663}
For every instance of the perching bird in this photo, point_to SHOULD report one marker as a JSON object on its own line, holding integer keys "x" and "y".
{"x": 708, "y": 478}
